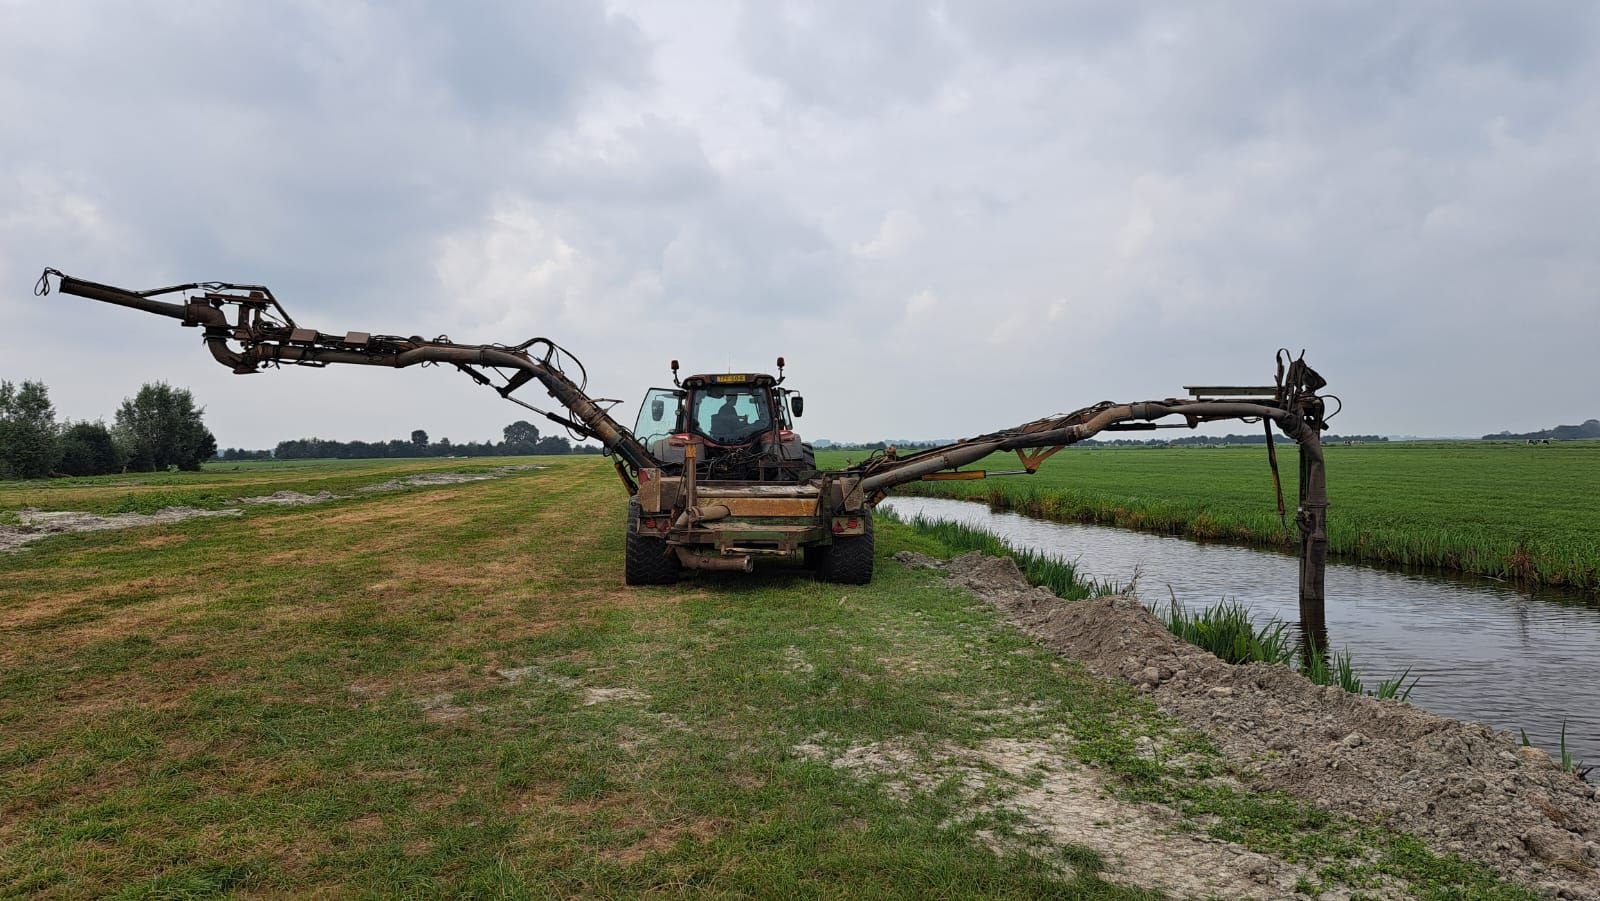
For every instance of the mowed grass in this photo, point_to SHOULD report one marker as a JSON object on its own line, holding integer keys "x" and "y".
{"x": 219, "y": 484}
{"x": 1504, "y": 510}
{"x": 450, "y": 692}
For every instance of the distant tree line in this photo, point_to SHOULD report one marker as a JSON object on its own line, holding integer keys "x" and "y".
{"x": 521, "y": 438}
{"x": 1589, "y": 429}
{"x": 157, "y": 429}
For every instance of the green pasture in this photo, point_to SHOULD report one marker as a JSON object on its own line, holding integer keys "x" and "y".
{"x": 449, "y": 692}
{"x": 1504, "y": 510}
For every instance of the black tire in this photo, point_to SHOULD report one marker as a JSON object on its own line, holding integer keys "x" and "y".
{"x": 647, "y": 559}
{"x": 848, "y": 561}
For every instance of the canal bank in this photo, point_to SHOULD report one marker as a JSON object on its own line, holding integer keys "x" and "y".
{"x": 1483, "y": 651}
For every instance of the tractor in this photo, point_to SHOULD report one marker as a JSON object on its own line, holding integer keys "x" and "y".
{"x": 715, "y": 474}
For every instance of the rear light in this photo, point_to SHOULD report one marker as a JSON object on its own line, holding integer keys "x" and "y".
{"x": 649, "y": 522}
{"x": 853, "y": 524}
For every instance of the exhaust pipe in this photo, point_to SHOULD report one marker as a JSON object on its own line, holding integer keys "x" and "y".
{"x": 718, "y": 562}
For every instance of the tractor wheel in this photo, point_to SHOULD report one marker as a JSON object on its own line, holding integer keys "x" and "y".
{"x": 848, "y": 561}
{"x": 647, "y": 559}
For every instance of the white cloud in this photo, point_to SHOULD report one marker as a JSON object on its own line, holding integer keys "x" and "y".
{"x": 920, "y": 304}
{"x": 898, "y": 232}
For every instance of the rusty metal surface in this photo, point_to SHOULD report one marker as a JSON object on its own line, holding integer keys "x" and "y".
{"x": 762, "y": 506}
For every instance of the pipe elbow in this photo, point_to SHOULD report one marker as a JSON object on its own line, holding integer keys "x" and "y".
{"x": 218, "y": 345}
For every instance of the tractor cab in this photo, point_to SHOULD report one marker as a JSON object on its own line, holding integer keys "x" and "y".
{"x": 741, "y": 424}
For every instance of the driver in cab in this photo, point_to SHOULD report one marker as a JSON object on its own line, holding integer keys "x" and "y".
{"x": 728, "y": 423}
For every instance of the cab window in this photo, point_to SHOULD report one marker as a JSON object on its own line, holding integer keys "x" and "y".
{"x": 731, "y": 415}
{"x": 658, "y": 415}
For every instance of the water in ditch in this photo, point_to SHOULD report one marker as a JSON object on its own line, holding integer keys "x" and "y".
{"x": 1483, "y": 651}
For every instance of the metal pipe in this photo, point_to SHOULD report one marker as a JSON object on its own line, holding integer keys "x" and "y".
{"x": 724, "y": 563}
{"x": 121, "y": 297}
{"x": 708, "y": 513}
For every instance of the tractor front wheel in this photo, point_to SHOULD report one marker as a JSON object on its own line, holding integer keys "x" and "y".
{"x": 647, "y": 558}
{"x": 848, "y": 561}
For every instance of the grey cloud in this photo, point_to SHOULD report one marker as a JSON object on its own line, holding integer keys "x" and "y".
{"x": 1109, "y": 199}
{"x": 850, "y": 58}
{"x": 316, "y": 147}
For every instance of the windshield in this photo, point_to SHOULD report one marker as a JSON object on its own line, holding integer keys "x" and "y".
{"x": 731, "y": 415}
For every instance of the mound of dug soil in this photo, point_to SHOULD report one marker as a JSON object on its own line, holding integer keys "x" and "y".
{"x": 1461, "y": 787}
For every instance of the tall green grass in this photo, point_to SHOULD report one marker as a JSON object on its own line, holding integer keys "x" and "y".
{"x": 1227, "y": 631}
{"x": 1060, "y": 576}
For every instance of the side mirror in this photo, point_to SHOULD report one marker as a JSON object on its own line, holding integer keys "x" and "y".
{"x": 658, "y": 409}
{"x": 797, "y": 405}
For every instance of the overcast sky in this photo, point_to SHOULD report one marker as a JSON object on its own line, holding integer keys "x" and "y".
{"x": 949, "y": 218}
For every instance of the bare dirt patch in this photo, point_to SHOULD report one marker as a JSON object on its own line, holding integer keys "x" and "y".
{"x": 666, "y": 838}
{"x": 1462, "y": 788}
{"x": 441, "y": 708}
{"x": 1061, "y": 802}
{"x": 288, "y": 499}
{"x": 426, "y": 479}
{"x": 37, "y": 524}
{"x": 592, "y": 696}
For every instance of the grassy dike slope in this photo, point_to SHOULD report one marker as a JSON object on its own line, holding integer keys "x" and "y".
{"x": 450, "y": 692}
{"x": 1503, "y": 510}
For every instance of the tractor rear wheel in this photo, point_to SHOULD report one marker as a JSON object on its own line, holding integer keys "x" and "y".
{"x": 848, "y": 561}
{"x": 647, "y": 558}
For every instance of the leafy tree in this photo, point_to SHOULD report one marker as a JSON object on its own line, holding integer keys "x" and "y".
{"x": 29, "y": 438}
{"x": 553, "y": 444}
{"x": 522, "y": 437}
{"x": 419, "y": 440}
{"x": 161, "y": 427}
{"x": 88, "y": 450}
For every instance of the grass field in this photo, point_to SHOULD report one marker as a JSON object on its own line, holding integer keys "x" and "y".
{"x": 219, "y": 484}
{"x": 450, "y": 692}
{"x": 1502, "y": 510}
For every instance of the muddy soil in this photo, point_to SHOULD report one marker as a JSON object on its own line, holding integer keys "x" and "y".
{"x": 37, "y": 524}
{"x": 1463, "y": 788}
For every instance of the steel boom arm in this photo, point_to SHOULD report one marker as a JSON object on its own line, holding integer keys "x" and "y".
{"x": 263, "y": 335}
{"x": 1292, "y": 404}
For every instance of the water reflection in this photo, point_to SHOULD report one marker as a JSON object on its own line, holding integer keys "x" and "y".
{"x": 1485, "y": 651}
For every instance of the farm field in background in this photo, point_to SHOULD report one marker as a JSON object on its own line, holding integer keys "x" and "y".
{"x": 218, "y": 484}
{"x": 450, "y": 692}
{"x": 1502, "y": 510}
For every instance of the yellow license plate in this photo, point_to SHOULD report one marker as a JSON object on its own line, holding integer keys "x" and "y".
{"x": 730, "y": 379}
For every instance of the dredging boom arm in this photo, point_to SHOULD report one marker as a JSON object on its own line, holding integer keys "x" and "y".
{"x": 1292, "y": 404}
{"x": 262, "y": 335}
